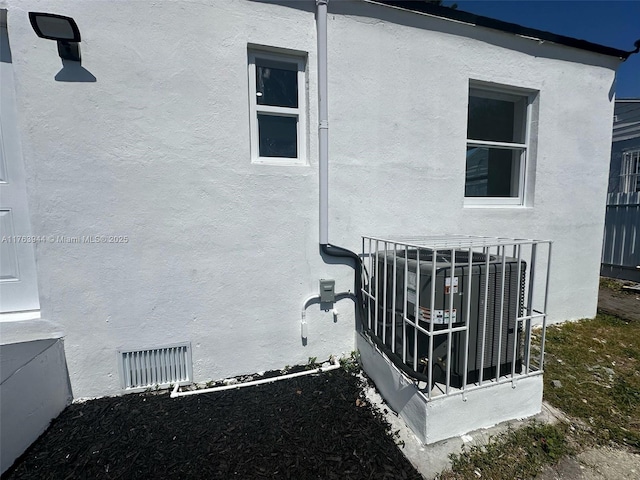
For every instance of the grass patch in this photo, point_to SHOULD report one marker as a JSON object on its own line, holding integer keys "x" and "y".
{"x": 598, "y": 364}
{"x": 513, "y": 454}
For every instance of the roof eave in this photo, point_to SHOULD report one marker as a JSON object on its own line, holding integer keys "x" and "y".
{"x": 513, "y": 28}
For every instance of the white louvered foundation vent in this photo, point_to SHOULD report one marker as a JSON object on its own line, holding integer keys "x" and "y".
{"x": 157, "y": 366}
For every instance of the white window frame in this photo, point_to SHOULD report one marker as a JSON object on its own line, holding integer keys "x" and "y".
{"x": 630, "y": 172}
{"x": 509, "y": 94}
{"x": 299, "y": 113}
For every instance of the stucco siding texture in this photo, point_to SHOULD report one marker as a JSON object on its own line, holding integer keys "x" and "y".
{"x": 221, "y": 252}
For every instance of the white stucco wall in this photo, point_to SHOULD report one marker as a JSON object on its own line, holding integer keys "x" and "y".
{"x": 222, "y": 252}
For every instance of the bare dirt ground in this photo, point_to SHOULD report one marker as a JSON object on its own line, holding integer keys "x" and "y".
{"x": 624, "y": 303}
{"x": 603, "y": 463}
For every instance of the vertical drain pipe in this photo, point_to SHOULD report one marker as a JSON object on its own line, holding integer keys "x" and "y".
{"x": 323, "y": 157}
{"x": 323, "y": 120}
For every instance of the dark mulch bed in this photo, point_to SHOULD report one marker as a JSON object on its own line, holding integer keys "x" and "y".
{"x": 316, "y": 426}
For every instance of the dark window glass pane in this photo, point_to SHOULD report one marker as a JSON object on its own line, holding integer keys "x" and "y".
{"x": 276, "y": 83}
{"x": 491, "y": 171}
{"x": 491, "y": 120}
{"x": 278, "y": 136}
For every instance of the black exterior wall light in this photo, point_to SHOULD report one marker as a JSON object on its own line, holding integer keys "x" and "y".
{"x": 61, "y": 29}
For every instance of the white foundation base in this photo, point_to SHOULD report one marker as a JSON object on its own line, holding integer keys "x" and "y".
{"x": 449, "y": 416}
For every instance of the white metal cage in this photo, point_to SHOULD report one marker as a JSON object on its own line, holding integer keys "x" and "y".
{"x": 456, "y": 312}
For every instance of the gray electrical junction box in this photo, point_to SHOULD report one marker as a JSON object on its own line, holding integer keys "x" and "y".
{"x": 327, "y": 291}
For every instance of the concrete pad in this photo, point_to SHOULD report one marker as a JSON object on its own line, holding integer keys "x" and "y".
{"x": 432, "y": 459}
{"x": 414, "y": 418}
{"x": 447, "y": 416}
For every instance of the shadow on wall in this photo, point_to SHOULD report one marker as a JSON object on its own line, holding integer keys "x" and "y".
{"x": 74, "y": 72}
{"x": 5, "y": 51}
{"x": 612, "y": 90}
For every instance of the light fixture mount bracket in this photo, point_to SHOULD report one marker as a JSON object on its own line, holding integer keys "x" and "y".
{"x": 69, "y": 50}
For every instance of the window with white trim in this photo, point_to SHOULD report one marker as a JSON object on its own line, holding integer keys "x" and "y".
{"x": 497, "y": 145}
{"x": 630, "y": 172}
{"x": 277, "y": 102}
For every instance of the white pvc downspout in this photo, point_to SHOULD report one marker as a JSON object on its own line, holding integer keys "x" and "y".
{"x": 323, "y": 120}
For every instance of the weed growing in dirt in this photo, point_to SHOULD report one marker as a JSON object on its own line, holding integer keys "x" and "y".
{"x": 351, "y": 364}
{"x": 611, "y": 284}
{"x": 312, "y": 363}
